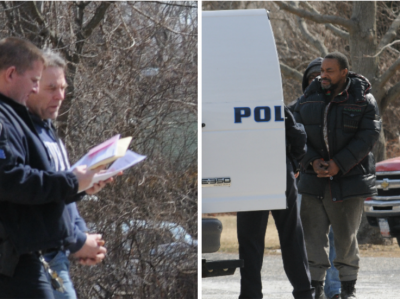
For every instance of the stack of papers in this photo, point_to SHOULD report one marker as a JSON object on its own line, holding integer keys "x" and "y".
{"x": 105, "y": 153}
{"x": 114, "y": 149}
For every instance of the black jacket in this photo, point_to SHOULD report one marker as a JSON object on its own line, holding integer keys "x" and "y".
{"x": 32, "y": 197}
{"x": 315, "y": 63}
{"x": 353, "y": 125}
{"x": 296, "y": 139}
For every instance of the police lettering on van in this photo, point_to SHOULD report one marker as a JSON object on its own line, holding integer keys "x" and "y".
{"x": 261, "y": 113}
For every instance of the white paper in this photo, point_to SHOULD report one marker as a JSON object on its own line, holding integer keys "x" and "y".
{"x": 131, "y": 158}
{"x": 107, "y": 151}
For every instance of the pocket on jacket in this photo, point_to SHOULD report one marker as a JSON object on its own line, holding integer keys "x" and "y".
{"x": 351, "y": 120}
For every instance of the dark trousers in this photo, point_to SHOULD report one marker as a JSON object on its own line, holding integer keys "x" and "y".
{"x": 251, "y": 229}
{"x": 28, "y": 281}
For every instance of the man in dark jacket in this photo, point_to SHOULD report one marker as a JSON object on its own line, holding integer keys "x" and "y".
{"x": 251, "y": 228}
{"x": 32, "y": 197}
{"x": 332, "y": 282}
{"x": 44, "y": 107}
{"x": 342, "y": 122}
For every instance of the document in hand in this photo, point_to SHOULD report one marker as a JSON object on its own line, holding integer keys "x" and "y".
{"x": 105, "y": 153}
{"x": 130, "y": 159}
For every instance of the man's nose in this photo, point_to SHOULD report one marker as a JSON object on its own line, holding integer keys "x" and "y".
{"x": 60, "y": 94}
{"x": 35, "y": 88}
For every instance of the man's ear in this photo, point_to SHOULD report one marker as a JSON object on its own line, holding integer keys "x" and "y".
{"x": 10, "y": 72}
{"x": 345, "y": 71}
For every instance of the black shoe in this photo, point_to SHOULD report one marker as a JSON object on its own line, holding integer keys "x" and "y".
{"x": 319, "y": 288}
{"x": 348, "y": 289}
{"x": 337, "y": 296}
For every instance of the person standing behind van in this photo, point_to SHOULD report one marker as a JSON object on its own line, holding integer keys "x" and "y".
{"x": 251, "y": 229}
{"x": 332, "y": 281}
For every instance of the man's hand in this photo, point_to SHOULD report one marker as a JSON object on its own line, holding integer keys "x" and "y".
{"x": 325, "y": 169}
{"x": 296, "y": 175}
{"x": 84, "y": 176}
{"x": 100, "y": 185}
{"x": 333, "y": 169}
{"x": 92, "y": 251}
{"x": 320, "y": 168}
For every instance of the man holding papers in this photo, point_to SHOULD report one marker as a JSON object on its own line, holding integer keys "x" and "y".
{"x": 33, "y": 217}
{"x": 44, "y": 107}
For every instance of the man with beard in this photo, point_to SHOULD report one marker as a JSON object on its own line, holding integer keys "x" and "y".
{"x": 342, "y": 123}
{"x": 332, "y": 282}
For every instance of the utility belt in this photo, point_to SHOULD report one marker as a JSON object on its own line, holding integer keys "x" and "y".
{"x": 9, "y": 259}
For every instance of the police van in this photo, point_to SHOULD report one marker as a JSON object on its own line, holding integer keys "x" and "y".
{"x": 243, "y": 130}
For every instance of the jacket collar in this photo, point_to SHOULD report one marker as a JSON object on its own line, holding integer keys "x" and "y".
{"x": 15, "y": 105}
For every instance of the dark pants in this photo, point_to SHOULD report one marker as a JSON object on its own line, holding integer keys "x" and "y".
{"x": 28, "y": 281}
{"x": 251, "y": 229}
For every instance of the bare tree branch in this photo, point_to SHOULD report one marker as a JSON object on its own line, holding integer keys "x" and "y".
{"x": 97, "y": 17}
{"x": 337, "y": 31}
{"x": 36, "y": 14}
{"x": 318, "y": 18}
{"x": 391, "y": 33}
{"x": 291, "y": 72}
{"x": 9, "y": 16}
{"x": 392, "y": 94}
{"x": 387, "y": 46}
{"x": 389, "y": 73}
{"x": 173, "y": 4}
{"x": 38, "y": 17}
{"x": 316, "y": 43}
{"x": 158, "y": 23}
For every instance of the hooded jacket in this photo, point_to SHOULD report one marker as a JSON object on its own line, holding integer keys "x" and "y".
{"x": 315, "y": 63}
{"x": 353, "y": 127}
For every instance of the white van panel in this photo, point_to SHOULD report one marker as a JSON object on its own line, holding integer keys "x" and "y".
{"x": 244, "y": 134}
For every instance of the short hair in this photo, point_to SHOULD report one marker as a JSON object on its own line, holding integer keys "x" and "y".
{"x": 20, "y": 53}
{"x": 341, "y": 58}
{"x": 54, "y": 59}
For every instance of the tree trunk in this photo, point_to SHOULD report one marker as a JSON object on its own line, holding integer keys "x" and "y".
{"x": 363, "y": 45}
{"x": 363, "y": 41}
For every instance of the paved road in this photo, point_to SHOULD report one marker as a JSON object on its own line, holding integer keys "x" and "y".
{"x": 378, "y": 278}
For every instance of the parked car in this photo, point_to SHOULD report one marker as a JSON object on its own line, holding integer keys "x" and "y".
{"x": 165, "y": 245}
{"x": 383, "y": 210}
{"x": 147, "y": 255}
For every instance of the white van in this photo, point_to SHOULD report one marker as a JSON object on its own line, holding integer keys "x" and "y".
{"x": 243, "y": 130}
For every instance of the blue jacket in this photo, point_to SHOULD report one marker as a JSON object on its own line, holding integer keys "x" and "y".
{"x": 46, "y": 131}
{"x": 32, "y": 196}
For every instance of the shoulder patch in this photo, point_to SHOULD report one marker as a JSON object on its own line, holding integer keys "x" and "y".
{"x": 2, "y": 154}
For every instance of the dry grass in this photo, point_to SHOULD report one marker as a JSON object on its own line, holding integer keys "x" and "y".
{"x": 229, "y": 243}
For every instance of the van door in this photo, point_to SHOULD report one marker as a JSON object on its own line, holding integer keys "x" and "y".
{"x": 243, "y": 134}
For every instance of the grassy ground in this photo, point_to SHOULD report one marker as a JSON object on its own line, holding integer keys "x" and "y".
{"x": 229, "y": 242}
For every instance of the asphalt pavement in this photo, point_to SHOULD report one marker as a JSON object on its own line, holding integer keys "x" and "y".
{"x": 378, "y": 278}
